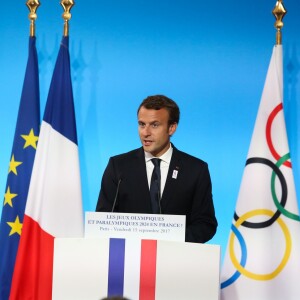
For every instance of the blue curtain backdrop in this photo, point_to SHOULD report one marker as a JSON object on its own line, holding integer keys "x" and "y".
{"x": 209, "y": 56}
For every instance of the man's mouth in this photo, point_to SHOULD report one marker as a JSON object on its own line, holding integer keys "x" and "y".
{"x": 147, "y": 142}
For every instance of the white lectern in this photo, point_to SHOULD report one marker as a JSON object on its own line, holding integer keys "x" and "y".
{"x": 94, "y": 268}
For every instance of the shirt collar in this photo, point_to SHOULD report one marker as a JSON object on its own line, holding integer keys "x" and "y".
{"x": 166, "y": 157}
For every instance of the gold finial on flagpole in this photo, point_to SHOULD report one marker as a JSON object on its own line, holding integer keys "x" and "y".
{"x": 32, "y": 5}
{"x": 67, "y": 5}
{"x": 279, "y": 12}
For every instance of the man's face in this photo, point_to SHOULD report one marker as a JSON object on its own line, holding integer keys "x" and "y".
{"x": 154, "y": 130}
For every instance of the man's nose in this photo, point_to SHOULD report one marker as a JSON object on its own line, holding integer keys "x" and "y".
{"x": 146, "y": 130}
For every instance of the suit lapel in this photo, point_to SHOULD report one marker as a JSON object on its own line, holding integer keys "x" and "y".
{"x": 174, "y": 167}
{"x": 141, "y": 180}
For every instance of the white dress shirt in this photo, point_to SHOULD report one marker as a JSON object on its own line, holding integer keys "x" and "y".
{"x": 164, "y": 167}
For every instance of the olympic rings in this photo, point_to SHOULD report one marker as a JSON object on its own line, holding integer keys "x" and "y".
{"x": 285, "y": 258}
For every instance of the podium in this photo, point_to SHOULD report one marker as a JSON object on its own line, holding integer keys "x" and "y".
{"x": 94, "y": 268}
{"x": 137, "y": 256}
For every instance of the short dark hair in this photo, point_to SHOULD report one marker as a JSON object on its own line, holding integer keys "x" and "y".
{"x": 160, "y": 101}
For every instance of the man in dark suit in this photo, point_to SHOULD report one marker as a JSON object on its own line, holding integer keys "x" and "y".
{"x": 183, "y": 184}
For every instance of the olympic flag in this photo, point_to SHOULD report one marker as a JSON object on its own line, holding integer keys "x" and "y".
{"x": 262, "y": 259}
{"x": 54, "y": 205}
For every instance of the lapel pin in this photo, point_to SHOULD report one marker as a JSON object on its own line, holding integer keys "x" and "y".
{"x": 175, "y": 173}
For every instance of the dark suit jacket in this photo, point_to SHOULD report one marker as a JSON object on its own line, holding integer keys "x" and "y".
{"x": 189, "y": 194}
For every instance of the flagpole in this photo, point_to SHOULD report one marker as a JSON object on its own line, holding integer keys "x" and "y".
{"x": 279, "y": 12}
{"x": 33, "y": 6}
{"x": 67, "y": 5}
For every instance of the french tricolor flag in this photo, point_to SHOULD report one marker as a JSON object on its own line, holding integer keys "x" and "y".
{"x": 54, "y": 204}
{"x": 95, "y": 268}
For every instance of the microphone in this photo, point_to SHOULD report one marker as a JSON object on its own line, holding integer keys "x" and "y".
{"x": 159, "y": 204}
{"x": 159, "y": 196}
{"x": 116, "y": 196}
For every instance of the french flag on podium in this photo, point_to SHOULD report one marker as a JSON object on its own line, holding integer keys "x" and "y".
{"x": 142, "y": 270}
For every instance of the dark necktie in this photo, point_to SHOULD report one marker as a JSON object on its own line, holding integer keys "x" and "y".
{"x": 155, "y": 186}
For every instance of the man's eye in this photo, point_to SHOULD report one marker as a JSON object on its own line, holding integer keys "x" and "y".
{"x": 155, "y": 125}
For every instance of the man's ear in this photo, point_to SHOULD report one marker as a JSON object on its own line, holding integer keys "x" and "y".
{"x": 172, "y": 128}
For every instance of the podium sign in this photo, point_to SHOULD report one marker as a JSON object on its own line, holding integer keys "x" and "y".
{"x": 139, "y": 226}
{"x": 93, "y": 268}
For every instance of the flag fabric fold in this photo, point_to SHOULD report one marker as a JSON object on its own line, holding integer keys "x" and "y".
{"x": 263, "y": 252}
{"x": 20, "y": 168}
{"x": 54, "y": 204}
